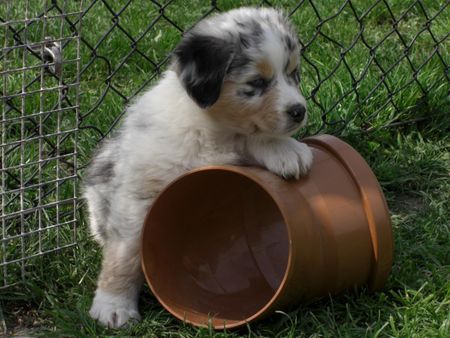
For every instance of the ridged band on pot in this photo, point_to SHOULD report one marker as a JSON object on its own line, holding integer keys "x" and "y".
{"x": 226, "y": 245}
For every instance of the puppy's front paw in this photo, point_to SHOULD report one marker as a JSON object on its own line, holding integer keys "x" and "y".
{"x": 288, "y": 159}
{"x": 113, "y": 310}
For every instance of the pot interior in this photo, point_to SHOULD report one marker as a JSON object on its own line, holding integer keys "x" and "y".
{"x": 215, "y": 247}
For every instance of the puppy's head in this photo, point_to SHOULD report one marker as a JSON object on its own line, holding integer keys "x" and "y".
{"x": 241, "y": 67}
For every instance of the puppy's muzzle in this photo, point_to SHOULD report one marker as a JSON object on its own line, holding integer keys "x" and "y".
{"x": 297, "y": 112}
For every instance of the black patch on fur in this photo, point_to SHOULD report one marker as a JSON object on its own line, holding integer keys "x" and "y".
{"x": 103, "y": 209}
{"x": 239, "y": 61}
{"x": 290, "y": 44}
{"x": 203, "y": 61}
{"x": 251, "y": 33}
{"x": 245, "y": 40}
{"x": 251, "y": 27}
{"x": 99, "y": 172}
{"x": 268, "y": 87}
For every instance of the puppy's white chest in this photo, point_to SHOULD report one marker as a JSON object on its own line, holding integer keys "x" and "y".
{"x": 204, "y": 147}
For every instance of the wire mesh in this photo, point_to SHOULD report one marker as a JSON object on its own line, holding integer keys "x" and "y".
{"x": 40, "y": 63}
{"x": 389, "y": 68}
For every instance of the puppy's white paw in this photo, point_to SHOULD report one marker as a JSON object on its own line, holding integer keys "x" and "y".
{"x": 288, "y": 158}
{"x": 113, "y": 310}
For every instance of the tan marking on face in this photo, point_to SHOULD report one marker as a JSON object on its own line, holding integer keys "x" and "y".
{"x": 234, "y": 113}
{"x": 293, "y": 62}
{"x": 265, "y": 69}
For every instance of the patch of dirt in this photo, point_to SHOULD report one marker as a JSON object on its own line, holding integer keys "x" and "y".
{"x": 408, "y": 202}
{"x": 22, "y": 321}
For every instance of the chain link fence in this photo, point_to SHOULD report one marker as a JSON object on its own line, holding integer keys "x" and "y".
{"x": 358, "y": 68}
{"x": 365, "y": 65}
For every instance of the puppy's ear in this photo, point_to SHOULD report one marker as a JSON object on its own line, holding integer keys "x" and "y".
{"x": 202, "y": 64}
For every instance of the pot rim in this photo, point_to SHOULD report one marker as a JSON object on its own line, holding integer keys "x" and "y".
{"x": 380, "y": 232}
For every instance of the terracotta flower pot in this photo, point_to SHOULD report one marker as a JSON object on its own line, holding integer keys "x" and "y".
{"x": 226, "y": 245}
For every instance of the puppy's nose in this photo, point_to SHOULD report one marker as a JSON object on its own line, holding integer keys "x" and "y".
{"x": 297, "y": 112}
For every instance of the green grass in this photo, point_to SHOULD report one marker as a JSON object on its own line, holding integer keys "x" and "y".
{"x": 411, "y": 162}
{"x": 413, "y": 168}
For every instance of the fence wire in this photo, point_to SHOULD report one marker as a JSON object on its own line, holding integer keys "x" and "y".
{"x": 40, "y": 63}
{"x": 365, "y": 65}
{"x": 359, "y": 71}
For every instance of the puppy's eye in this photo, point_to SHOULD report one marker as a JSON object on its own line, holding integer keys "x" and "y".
{"x": 258, "y": 83}
{"x": 295, "y": 76}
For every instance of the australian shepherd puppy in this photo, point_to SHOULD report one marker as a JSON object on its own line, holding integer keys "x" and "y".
{"x": 230, "y": 96}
